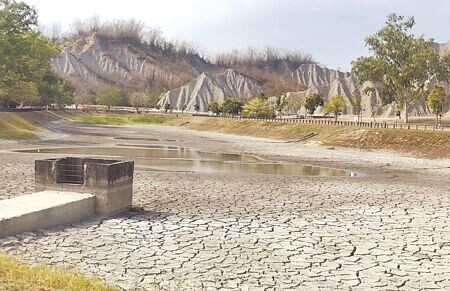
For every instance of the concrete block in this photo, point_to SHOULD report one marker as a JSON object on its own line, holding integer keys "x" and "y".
{"x": 43, "y": 210}
{"x": 111, "y": 181}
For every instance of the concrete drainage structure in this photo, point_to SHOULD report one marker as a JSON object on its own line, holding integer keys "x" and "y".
{"x": 69, "y": 190}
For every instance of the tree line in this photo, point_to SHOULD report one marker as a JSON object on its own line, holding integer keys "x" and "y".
{"x": 26, "y": 73}
{"x": 263, "y": 107}
{"x": 110, "y": 96}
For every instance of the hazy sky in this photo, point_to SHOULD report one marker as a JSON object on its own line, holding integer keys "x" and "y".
{"x": 333, "y": 31}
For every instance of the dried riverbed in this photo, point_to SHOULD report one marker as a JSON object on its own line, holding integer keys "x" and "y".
{"x": 386, "y": 228}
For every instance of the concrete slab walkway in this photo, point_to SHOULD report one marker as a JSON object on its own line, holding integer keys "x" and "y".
{"x": 42, "y": 210}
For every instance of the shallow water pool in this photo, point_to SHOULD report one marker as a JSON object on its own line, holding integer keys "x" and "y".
{"x": 169, "y": 158}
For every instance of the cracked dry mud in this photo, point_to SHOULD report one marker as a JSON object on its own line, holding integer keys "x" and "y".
{"x": 257, "y": 232}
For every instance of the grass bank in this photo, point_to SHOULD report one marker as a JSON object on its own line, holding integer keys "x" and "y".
{"x": 18, "y": 276}
{"x": 419, "y": 143}
{"x": 13, "y": 126}
{"x": 122, "y": 119}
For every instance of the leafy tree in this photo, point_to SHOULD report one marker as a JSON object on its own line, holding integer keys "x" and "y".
{"x": 280, "y": 103}
{"x": 152, "y": 98}
{"x": 196, "y": 108}
{"x": 25, "y": 56}
{"x": 215, "y": 107}
{"x": 67, "y": 93}
{"x": 437, "y": 100}
{"x": 109, "y": 96}
{"x": 232, "y": 106}
{"x": 401, "y": 63}
{"x": 85, "y": 97}
{"x": 312, "y": 102}
{"x": 258, "y": 108}
{"x": 335, "y": 105}
{"x": 138, "y": 99}
{"x": 295, "y": 104}
{"x": 356, "y": 103}
{"x": 55, "y": 90}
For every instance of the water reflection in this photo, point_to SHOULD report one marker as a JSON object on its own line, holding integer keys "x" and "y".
{"x": 182, "y": 159}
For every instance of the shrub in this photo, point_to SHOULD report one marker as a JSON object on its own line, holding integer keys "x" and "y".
{"x": 258, "y": 108}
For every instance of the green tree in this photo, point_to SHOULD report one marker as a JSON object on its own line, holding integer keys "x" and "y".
{"x": 138, "y": 99}
{"x": 295, "y": 104}
{"x": 312, "y": 102}
{"x": 335, "y": 105}
{"x": 25, "y": 55}
{"x": 356, "y": 104}
{"x": 258, "y": 108}
{"x": 67, "y": 93}
{"x": 215, "y": 107}
{"x": 232, "y": 106}
{"x": 437, "y": 100}
{"x": 109, "y": 96}
{"x": 280, "y": 103}
{"x": 152, "y": 98}
{"x": 401, "y": 64}
{"x": 85, "y": 96}
{"x": 55, "y": 90}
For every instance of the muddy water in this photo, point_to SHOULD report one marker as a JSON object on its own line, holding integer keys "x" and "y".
{"x": 169, "y": 158}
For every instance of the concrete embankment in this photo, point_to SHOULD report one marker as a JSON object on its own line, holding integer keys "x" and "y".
{"x": 43, "y": 210}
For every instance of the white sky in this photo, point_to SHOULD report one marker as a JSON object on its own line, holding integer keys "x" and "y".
{"x": 333, "y": 31}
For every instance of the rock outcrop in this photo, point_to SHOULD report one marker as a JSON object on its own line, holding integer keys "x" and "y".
{"x": 313, "y": 75}
{"x": 208, "y": 88}
{"x": 327, "y": 83}
{"x": 93, "y": 60}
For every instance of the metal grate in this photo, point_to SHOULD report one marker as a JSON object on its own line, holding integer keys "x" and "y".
{"x": 70, "y": 173}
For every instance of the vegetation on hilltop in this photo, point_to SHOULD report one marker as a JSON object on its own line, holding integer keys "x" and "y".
{"x": 268, "y": 65}
{"x": 129, "y": 31}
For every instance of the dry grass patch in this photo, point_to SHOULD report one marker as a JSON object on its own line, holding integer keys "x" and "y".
{"x": 430, "y": 144}
{"x": 13, "y": 126}
{"x": 18, "y": 276}
{"x": 122, "y": 119}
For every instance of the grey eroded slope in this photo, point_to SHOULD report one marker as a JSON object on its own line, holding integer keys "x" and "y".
{"x": 206, "y": 89}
